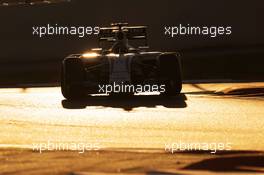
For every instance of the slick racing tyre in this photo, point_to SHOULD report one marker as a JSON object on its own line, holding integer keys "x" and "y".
{"x": 72, "y": 78}
{"x": 171, "y": 74}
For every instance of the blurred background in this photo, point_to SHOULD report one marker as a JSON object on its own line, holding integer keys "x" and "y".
{"x": 26, "y": 58}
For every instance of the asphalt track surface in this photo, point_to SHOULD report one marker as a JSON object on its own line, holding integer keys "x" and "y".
{"x": 228, "y": 113}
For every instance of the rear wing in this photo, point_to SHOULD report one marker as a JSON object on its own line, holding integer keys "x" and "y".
{"x": 132, "y": 33}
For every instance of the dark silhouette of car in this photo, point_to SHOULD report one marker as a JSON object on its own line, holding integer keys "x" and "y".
{"x": 116, "y": 62}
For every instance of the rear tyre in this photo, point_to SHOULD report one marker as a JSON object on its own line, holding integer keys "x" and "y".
{"x": 72, "y": 78}
{"x": 171, "y": 74}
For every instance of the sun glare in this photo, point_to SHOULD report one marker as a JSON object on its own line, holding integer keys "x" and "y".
{"x": 90, "y": 55}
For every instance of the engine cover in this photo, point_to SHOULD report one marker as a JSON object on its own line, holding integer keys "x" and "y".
{"x": 120, "y": 68}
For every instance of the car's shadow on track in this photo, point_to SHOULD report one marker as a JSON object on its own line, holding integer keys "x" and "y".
{"x": 127, "y": 103}
{"x": 236, "y": 162}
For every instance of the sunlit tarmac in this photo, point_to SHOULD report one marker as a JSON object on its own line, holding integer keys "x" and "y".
{"x": 200, "y": 114}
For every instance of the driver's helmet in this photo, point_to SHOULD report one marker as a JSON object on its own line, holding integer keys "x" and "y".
{"x": 121, "y": 45}
{"x": 120, "y": 35}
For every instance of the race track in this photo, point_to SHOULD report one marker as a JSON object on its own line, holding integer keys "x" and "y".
{"x": 203, "y": 113}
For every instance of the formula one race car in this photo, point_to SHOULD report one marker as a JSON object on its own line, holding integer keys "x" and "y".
{"x": 121, "y": 68}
